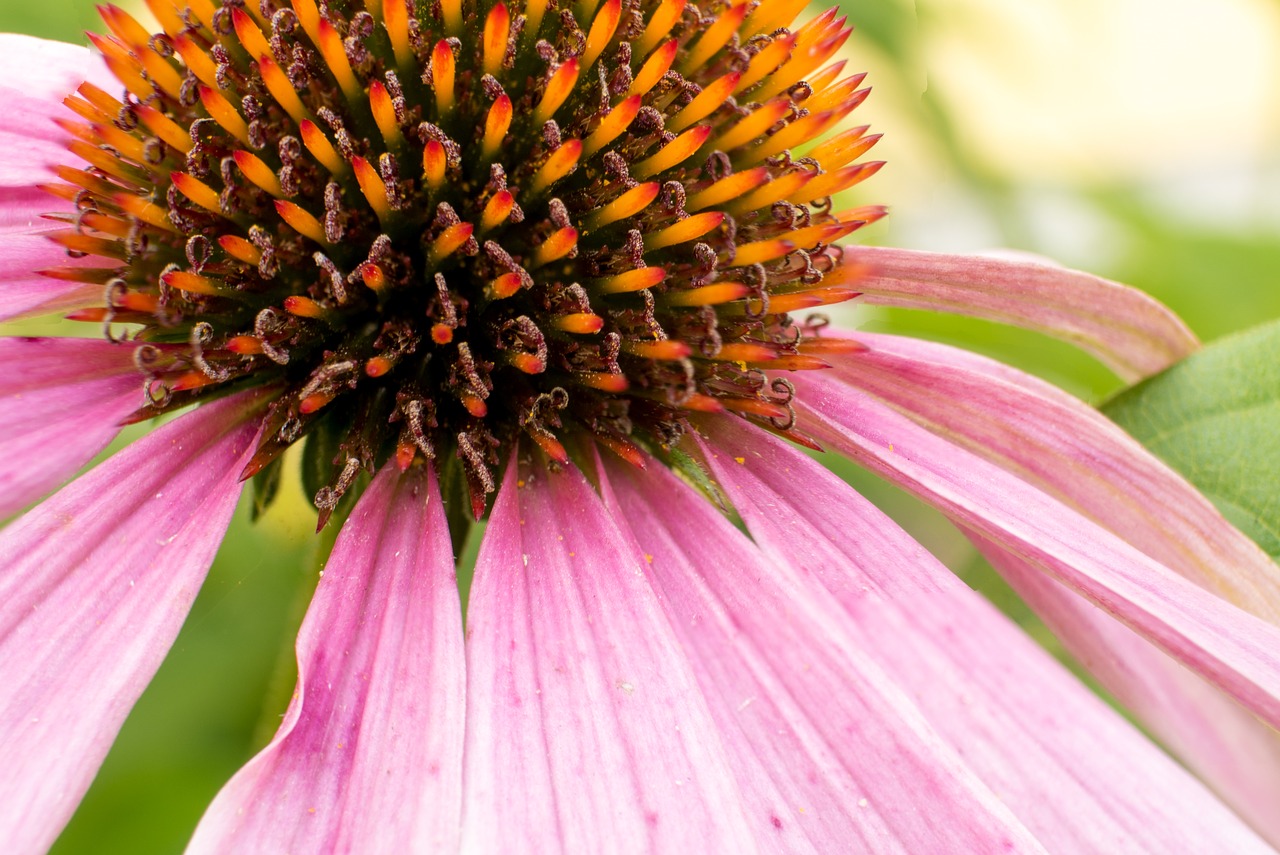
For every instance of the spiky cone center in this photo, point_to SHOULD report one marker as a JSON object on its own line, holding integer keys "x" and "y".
{"x": 431, "y": 231}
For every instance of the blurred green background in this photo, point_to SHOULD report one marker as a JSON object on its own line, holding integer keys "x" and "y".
{"x": 1137, "y": 139}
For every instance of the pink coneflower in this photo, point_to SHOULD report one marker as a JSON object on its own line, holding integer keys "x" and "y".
{"x": 537, "y": 264}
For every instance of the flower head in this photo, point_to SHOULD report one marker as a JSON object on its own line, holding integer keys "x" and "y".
{"x": 534, "y": 264}
{"x": 430, "y": 236}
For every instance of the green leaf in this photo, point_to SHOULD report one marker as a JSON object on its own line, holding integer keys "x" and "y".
{"x": 1215, "y": 417}
{"x": 266, "y": 486}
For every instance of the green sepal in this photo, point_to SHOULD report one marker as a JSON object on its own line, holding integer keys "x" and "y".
{"x": 457, "y": 500}
{"x": 266, "y": 488}
{"x": 321, "y": 450}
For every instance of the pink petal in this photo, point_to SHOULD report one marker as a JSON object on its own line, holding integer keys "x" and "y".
{"x": 831, "y": 754}
{"x": 22, "y": 210}
{"x": 94, "y": 584}
{"x": 586, "y": 731}
{"x": 1129, "y": 331}
{"x": 1234, "y": 650}
{"x": 35, "y": 75}
{"x": 1235, "y": 753}
{"x": 1053, "y": 440}
{"x": 369, "y": 756}
{"x": 29, "y": 159}
{"x": 23, "y": 291}
{"x": 61, "y": 402}
{"x": 36, "y": 72}
{"x": 1058, "y": 443}
{"x": 1079, "y": 776}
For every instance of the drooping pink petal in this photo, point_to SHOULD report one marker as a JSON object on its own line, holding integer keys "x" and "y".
{"x": 1058, "y": 443}
{"x": 369, "y": 756}
{"x": 586, "y": 731}
{"x": 1078, "y": 775}
{"x": 1051, "y": 439}
{"x": 25, "y": 250}
{"x": 36, "y": 72}
{"x": 1230, "y": 749}
{"x": 94, "y": 585}
{"x": 24, "y": 292}
{"x": 1128, "y": 330}
{"x": 831, "y": 754}
{"x": 22, "y": 210}
{"x": 61, "y": 402}
{"x": 35, "y": 75}
{"x": 1235, "y": 650}
{"x": 29, "y": 159}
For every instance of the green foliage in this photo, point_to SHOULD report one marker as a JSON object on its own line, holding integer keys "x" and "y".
{"x": 1177, "y": 260}
{"x": 1214, "y": 418}
{"x": 65, "y": 20}
{"x": 266, "y": 486}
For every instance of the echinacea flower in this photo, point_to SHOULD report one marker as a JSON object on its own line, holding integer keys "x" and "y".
{"x": 537, "y": 264}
